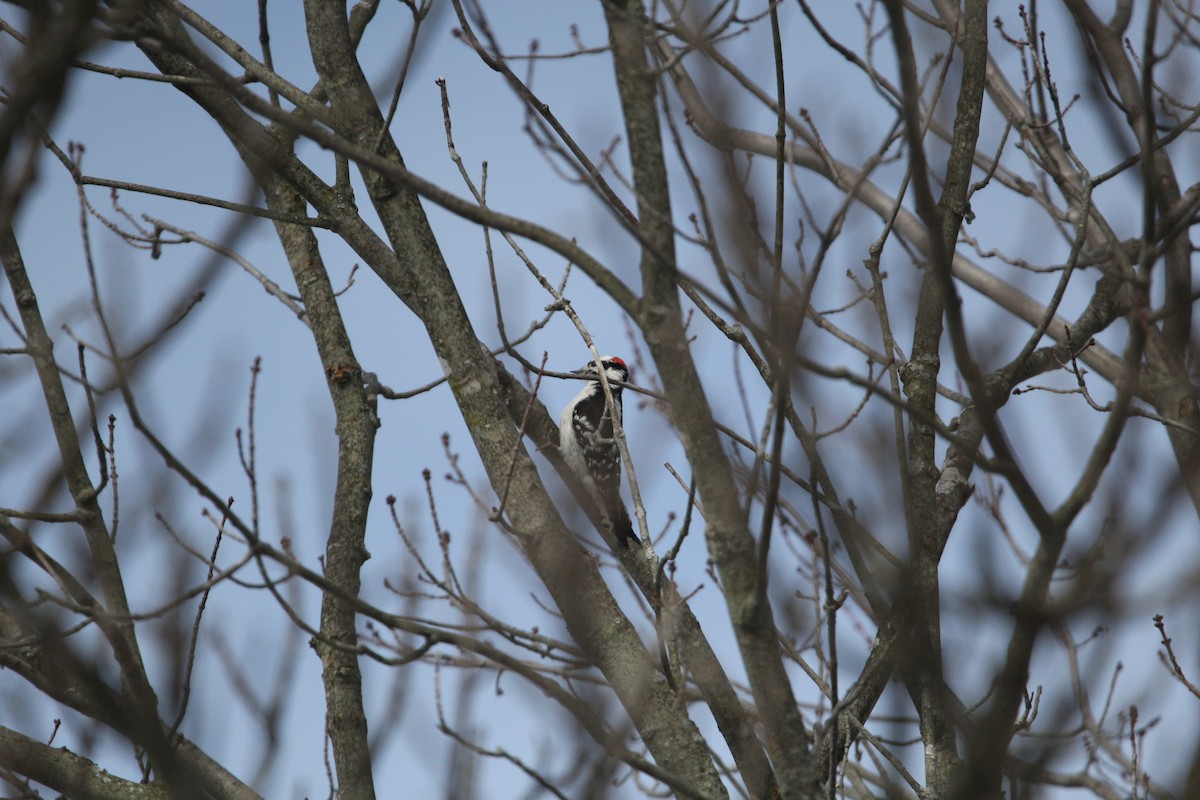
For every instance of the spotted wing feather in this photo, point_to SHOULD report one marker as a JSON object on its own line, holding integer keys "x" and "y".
{"x": 604, "y": 460}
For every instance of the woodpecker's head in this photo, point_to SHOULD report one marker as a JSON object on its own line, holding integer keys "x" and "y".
{"x": 614, "y": 370}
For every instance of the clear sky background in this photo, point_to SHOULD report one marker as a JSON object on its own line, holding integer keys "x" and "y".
{"x": 194, "y": 388}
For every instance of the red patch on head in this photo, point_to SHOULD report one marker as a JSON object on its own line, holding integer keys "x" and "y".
{"x": 620, "y": 361}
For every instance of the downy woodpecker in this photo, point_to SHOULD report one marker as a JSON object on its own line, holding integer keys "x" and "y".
{"x": 585, "y": 437}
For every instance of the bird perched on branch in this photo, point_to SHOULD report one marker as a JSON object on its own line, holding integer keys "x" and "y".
{"x": 589, "y": 446}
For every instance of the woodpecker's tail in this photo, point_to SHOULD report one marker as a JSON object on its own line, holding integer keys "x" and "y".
{"x": 623, "y": 526}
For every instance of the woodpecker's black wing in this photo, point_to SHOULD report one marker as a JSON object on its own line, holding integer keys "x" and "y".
{"x": 604, "y": 464}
